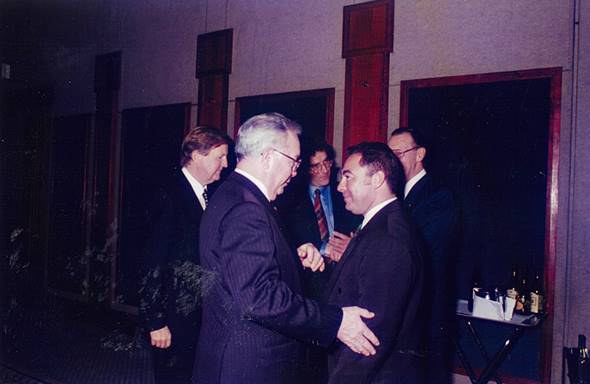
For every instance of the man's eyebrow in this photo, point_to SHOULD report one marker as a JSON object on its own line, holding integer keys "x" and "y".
{"x": 346, "y": 171}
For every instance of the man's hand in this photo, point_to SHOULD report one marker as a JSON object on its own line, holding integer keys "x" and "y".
{"x": 311, "y": 257}
{"x": 161, "y": 338}
{"x": 337, "y": 245}
{"x": 354, "y": 333}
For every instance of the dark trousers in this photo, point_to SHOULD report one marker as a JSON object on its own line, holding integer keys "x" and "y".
{"x": 439, "y": 359}
{"x": 173, "y": 365}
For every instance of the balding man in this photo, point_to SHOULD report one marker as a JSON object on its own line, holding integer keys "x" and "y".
{"x": 432, "y": 210}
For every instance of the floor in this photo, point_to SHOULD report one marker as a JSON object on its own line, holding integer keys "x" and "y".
{"x": 51, "y": 343}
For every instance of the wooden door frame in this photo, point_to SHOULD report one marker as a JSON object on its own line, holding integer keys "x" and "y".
{"x": 554, "y": 75}
{"x": 328, "y": 93}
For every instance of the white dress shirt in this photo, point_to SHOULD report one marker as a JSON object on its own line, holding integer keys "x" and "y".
{"x": 410, "y": 184}
{"x": 198, "y": 188}
{"x": 373, "y": 211}
{"x": 256, "y": 182}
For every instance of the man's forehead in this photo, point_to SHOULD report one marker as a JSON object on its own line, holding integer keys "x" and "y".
{"x": 401, "y": 139}
{"x": 319, "y": 155}
{"x": 352, "y": 163}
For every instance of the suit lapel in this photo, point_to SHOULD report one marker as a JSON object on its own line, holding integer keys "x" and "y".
{"x": 378, "y": 221}
{"x": 285, "y": 255}
{"x": 340, "y": 264}
{"x": 417, "y": 191}
{"x": 191, "y": 202}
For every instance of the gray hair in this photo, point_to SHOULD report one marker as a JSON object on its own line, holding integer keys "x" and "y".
{"x": 261, "y": 132}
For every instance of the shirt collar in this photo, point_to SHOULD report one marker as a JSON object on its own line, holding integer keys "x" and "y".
{"x": 254, "y": 180}
{"x": 410, "y": 184}
{"x": 373, "y": 211}
{"x": 197, "y": 187}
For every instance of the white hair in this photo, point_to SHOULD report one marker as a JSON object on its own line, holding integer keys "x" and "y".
{"x": 261, "y": 132}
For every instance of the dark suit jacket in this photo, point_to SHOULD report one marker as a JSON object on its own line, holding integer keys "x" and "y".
{"x": 381, "y": 270}
{"x": 254, "y": 317}
{"x": 432, "y": 210}
{"x": 169, "y": 287}
{"x": 302, "y": 227}
{"x": 302, "y": 224}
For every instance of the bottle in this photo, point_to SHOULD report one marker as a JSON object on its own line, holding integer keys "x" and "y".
{"x": 512, "y": 291}
{"x": 582, "y": 348}
{"x": 536, "y": 295}
{"x": 523, "y": 302}
{"x": 474, "y": 288}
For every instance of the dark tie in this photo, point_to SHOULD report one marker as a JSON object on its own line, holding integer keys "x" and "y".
{"x": 205, "y": 197}
{"x": 320, "y": 216}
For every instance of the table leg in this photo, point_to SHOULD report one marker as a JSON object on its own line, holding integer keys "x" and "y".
{"x": 462, "y": 358}
{"x": 499, "y": 357}
{"x": 482, "y": 349}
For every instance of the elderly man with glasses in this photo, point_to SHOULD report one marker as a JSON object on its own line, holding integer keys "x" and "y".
{"x": 255, "y": 316}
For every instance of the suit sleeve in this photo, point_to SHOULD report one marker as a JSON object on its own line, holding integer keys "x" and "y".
{"x": 439, "y": 222}
{"x": 154, "y": 284}
{"x": 249, "y": 260}
{"x": 387, "y": 276}
{"x": 436, "y": 225}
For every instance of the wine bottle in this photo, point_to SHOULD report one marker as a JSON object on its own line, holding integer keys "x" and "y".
{"x": 536, "y": 295}
{"x": 523, "y": 302}
{"x": 512, "y": 291}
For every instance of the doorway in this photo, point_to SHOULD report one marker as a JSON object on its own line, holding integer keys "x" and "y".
{"x": 494, "y": 141}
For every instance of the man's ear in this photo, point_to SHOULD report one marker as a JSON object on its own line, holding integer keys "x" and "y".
{"x": 266, "y": 158}
{"x": 377, "y": 179}
{"x": 195, "y": 155}
{"x": 420, "y": 154}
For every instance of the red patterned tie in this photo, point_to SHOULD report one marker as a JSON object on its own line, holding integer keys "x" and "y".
{"x": 320, "y": 216}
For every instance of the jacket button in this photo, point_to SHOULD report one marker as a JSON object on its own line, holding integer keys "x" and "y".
{"x": 339, "y": 290}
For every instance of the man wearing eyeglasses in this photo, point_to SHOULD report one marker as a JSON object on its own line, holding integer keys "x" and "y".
{"x": 432, "y": 210}
{"x": 319, "y": 216}
{"x": 255, "y": 316}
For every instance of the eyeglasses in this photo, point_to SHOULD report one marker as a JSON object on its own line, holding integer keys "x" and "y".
{"x": 323, "y": 163}
{"x": 296, "y": 162}
{"x": 401, "y": 154}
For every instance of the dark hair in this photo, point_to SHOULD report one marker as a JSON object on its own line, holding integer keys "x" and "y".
{"x": 201, "y": 139}
{"x": 323, "y": 147}
{"x": 418, "y": 138}
{"x": 378, "y": 157}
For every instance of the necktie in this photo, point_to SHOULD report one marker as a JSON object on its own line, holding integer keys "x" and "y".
{"x": 320, "y": 216}
{"x": 205, "y": 197}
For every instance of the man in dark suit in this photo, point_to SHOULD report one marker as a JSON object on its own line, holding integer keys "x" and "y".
{"x": 318, "y": 215}
{"x": 169, "y": 291}
{"x": 432, "y": 210}
{"x": 254, "y": 316}
{"x": 381, "y": 269}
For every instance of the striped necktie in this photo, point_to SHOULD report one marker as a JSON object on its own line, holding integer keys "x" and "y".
{"x": 320, "y": 216}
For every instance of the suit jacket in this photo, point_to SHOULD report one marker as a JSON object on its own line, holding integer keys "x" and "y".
{"x": 302, "y": 227}
{"x": 302, "y": 224}
{"x": 254, "y": 317}
{"x": 432, "y": 210}
{"x": 169, "y": 295}
{"x": 381, "y": 270}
